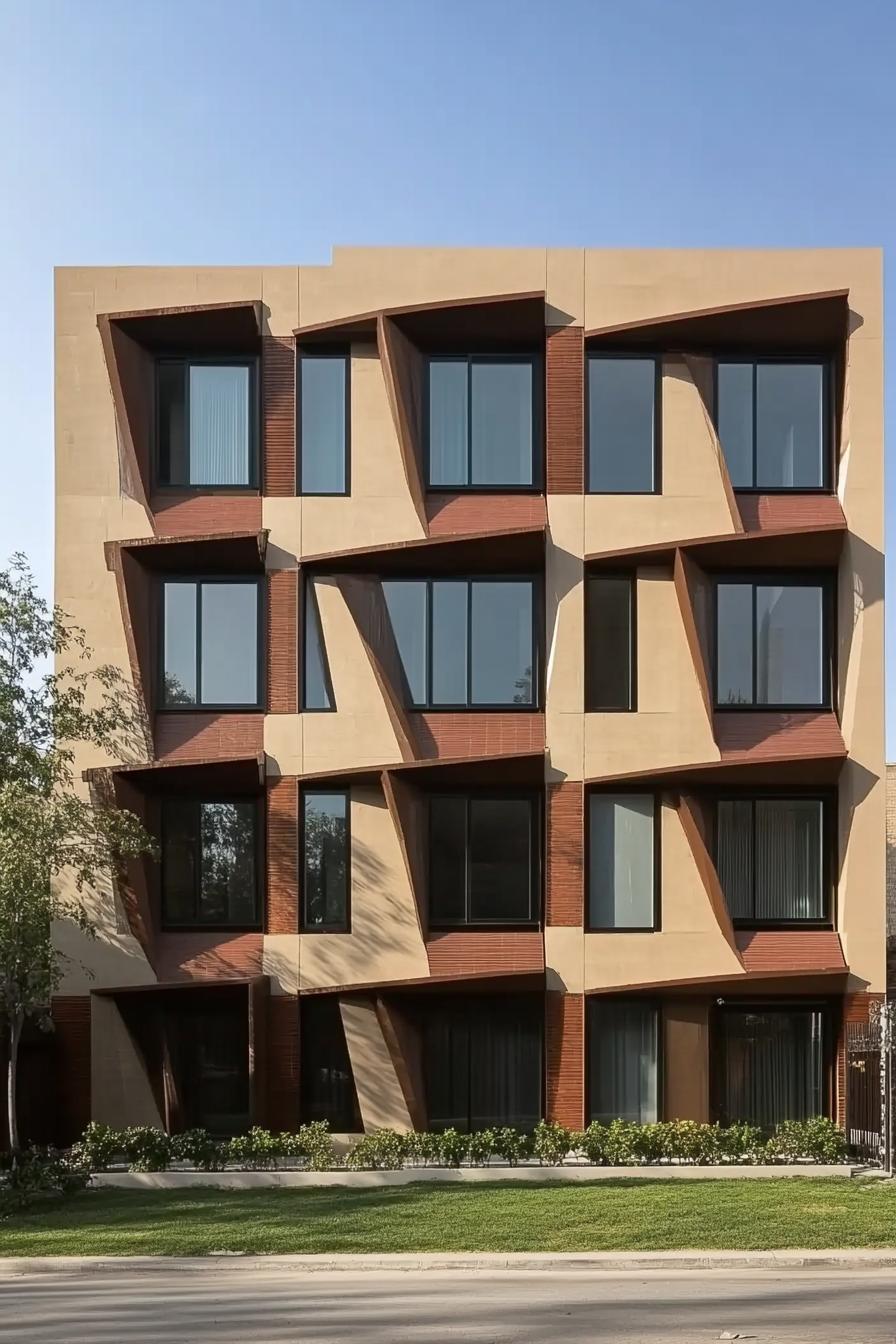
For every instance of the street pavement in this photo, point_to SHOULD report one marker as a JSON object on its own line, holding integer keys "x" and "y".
{"x": 265, "y": 1304}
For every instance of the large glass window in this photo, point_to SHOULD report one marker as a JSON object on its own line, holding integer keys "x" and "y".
{"x": 482, "y": 422}
{"x": 771, "y": 859}
{"x": 207, "y": 1035}
{"x": 773, "y": 423}
{"x": 623, "y": 424}
{"x": 326, "y": 851}
{"x": 622, "y": 876}
{"x": 482, "y": 1062}
{"x": 210, "y": 867}
{"x": 323, "y": 423}
{"x": 610, "y": 642}
{"x": 772, "y": 644}
{"x": 483, "y": 859}
{"x": 210, "y": 643}
{"x": 465, "y": 642}
{"x": 317, "y": 691}
{"x": 206, "y": 420}
{"x": 623, "y": 1060}
{"x": 327, "y": 1089}
{"x": 773, "y": 1065}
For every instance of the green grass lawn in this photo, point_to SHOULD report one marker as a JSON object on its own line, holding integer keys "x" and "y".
{"x": 602, "y": 1216}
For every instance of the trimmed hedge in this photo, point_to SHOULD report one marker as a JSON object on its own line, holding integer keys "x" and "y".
{"x": 622, "y": 1144}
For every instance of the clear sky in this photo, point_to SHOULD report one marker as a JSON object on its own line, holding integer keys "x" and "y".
{"x": 265, "y": 131}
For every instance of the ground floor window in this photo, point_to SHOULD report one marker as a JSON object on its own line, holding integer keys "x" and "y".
{"x": 210, "y": 1049}
{"x": 328, "y": 1084}
{"x": 772, "y": 1064}
{"x": 623, "y": 1060}
{"x": 483, "y": 1062}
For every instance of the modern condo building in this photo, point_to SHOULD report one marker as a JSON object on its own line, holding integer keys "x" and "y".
{"x": 505, "y": 632}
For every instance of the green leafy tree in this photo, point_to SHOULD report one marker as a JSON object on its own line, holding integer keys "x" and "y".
{"x": 53, "y": 840}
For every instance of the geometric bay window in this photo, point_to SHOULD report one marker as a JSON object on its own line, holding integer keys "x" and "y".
{"x": 772, "y": 855}
{"x": 211, "y": 863}
{"x": 210, "y": 643}
{"x": 773, "y": 641}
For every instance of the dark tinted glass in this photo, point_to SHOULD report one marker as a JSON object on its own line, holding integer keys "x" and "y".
{"x": 623, "y": 1053}
{"x": 229, "y": 670}
{"x": 322, "y": 424}
{"x": 502, "y": 648}
{"x": 316, "y": 691}
{"x": 174, "y": 447}
{"x": 325, "y": 847}
{"x": 773, "y": 1066}
{"x": 209, "y": 855}
{"x": 179, "y": 861}
{"x": 482, "y": 1062}
{"x": 328, "y": 1085}
{"x": 209, "y": 1049}
{"x": 500, "y": 859}
{"x": 771, "y": 858}
{"x": 621, "y": 426}
{"x": 735, "y": 855}
{"x": 609, "y": 634}
{"x": 448, "y": 859}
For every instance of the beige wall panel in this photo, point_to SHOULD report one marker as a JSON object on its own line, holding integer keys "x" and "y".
{"x": 564, "y": 958}
{"x": 120, "y": 1093}
{"x": 686, "y": 1059}
{"x": 280, "y": 297}
{"x": 363, "y": 279}
{"x": 565, "y": 287}
{"x": 113, "y": 957}
{"x": 690, "y": 945}
{"x": 564, "y": 626}
{"x": 283, "y": 743}
{"x": 385, "y": 942}
{"x": 671, "y": 726}
{"x": 380, "y": 1098}
{"x": 282, "y": 517}
{"x": 127, "y": 288}
{"x": 280, "y": 961}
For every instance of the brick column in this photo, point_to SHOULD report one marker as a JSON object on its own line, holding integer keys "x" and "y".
{"x": 278, "y": 381}
{"x": 282, "y": 855}
{"x": 564, "y": 851}
{"x": 283, "y": 1062}
{"x": 565, "y": 1058}
{"x": 71, "y": 1026}
{"x": 565, "y": 410}
{"x": 282, "y": 641}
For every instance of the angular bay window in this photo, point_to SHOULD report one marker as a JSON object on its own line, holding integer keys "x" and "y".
{"x": 773, "y": 644}
{"x": 772, "y": 859}
{"x": 482, "y": 1062}
{"x": 482, "y": 422}
{"x": 326, "y": 860}
{"x": 623, "y": 869}
{"x": 772, "y": 1064}
{"x": 323, "y": 414}
{"x": 317, "y": 690}
{"x": 610, "y": 681}
{"x": 483, "y": 860}
{"x": 773, "y": 420}
{"x": 210, "y": 864}
{"x": 206, "y": 418}
{"x": 211, "y": 640}
{"x": 623, "y": 1060}
{"x": 623, "y": 424}
{"x": 465, "y": 642}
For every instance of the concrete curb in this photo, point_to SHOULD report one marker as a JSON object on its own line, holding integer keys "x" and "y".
{"x": 584, "y": 1262}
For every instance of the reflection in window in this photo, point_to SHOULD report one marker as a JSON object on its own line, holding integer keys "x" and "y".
{"x": 328, "y": 1084}
{"x": 770, "y": 854}
{"x": 771, "y": 644}
{"x": 481, "y": 423}
{"x": 317, "y": 691}
{"x": 621, "y": 868}
{"x": 610, "y": 642}
{"x": 323, "y": 425}
{"x": 206, "y": 423}
{"x": 483, "y": 860}
{"x": 209, "y": 863}
{"x": 771, "y": 417}
{"x": 482, "y": 1062}
{"x": 623, "y": 1054}
{"x": 622, "y": 417}
{"x": 210, "y": 643}
{"x": 465, "y": 642}
{"x": 325, "y": 847}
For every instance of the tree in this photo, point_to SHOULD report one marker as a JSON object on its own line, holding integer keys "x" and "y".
{"x": 52, "y": 839}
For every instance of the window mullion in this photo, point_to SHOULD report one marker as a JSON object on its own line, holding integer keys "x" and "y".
{"x": 427, "y": 640}
{"x": 469, "y": 643}
{"x": 754, "y": 857}
{"x": 755, "y": 417}
{"x": 468, "y": 875}
{"x": 197, "y": 865}
{"x": 754, "y": 640}
{"x": 469, "y": 421}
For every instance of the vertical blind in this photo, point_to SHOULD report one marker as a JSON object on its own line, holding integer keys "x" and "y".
{"x": 770, "y": 858}
{"x": 623, "y": 1052}
{"x": 219, "y": 424}
{"x": 773, "y": 1066}
{"x": 483, "y": 1063}
{"x": 621, "y": 862}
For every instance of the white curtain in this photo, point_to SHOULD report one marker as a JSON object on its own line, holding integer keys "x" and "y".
{"x": 623, "y": 1050}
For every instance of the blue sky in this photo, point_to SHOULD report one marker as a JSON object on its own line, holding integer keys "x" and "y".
{"x": 191, "y": 131}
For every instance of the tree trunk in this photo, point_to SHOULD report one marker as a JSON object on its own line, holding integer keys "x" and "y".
{"x": 12, "y": 1071}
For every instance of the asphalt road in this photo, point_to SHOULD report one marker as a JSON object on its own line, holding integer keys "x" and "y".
{"x": 266, "y": 1305}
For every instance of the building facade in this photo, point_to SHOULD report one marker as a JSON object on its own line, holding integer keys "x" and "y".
{"x": 505, "y": 636}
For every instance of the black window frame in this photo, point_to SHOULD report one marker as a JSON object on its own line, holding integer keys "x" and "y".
{"x": 718, "y": 1058}
{"x": 791, "y": 578}
{"x": 631, "y": 576}
{"x": 199, "y": 705}
{"x": 828, "y": 800}
{"x": 536, "y": 363}
{"x": 344, "y": 354}
{"x": 343, "y": 926}
{"x": 828, "y": 447}
{"x": 537, "y": 591}
{"x": 309, "y": 610}
{"x": 649, "y": 1001}
{"x": 329, "y": 1034}
{"x": 185, "y": 361}
{"x": 536, "y": 865}
{"x": 621, "y": 791}
{"x": 643, "y": 355}
{"x": 229, "y": 926}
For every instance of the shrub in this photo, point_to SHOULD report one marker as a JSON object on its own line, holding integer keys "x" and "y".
{"x": 315, "y": 1145}
{"x": 424, "y": 1149}
{"x": 551, "y": 1143}
{"x": 41, "y": 1174}
{"x": 621, "y": 1143}
{"x": 818, "y": 1139}
{"x": 688, "y": 1141}
{"x": 381, "y": 1150}
{"x": 146, "y": 1148}
{"x": 453, "y": 1147}
{"x": 740, "y": 1143}
{"x": 592, "y": 1142}
{"x": 480, "y": 1147}
{"x": 512, "y": 1145}
{"x": 200, "y": 1149}
{"x": 258, "y": 1150}
{"x": 99, "y": 1146}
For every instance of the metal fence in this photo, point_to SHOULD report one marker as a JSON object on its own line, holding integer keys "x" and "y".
{"x": 870, "y": 1086}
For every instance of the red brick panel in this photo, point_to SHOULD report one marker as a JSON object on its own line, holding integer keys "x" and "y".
{"x": 790, "y": 510}
{"x": 565, "y": 1059}
{"x": 458, "y": 735}
{"x": 189, "y": 515}
{"x": 564, "y": 856}
{"x": 768, "y": 735}
{"x": 448, "y": 514}
{"x": 283, "y": 856}
{"x": 283, "y": 1062}
{"x": 796, "y": 951}
{"x": 208, "y": 956}
{"x": 856, "y": 1008}
{"x": 202, "y": 737}
{"x": 278, "y": 382}
{"x": 283, "y": 586}
{"x": 565, "y": 410}
{"x": 484, "y": 952}
{"x": 71, "y": 1038}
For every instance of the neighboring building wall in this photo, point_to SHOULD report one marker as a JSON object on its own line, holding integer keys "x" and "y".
{"x": 891, "y": 881}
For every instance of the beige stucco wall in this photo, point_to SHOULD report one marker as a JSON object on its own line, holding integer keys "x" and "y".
{"x": 380, "y": 1098}
{"x": 120, "y": 1093}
